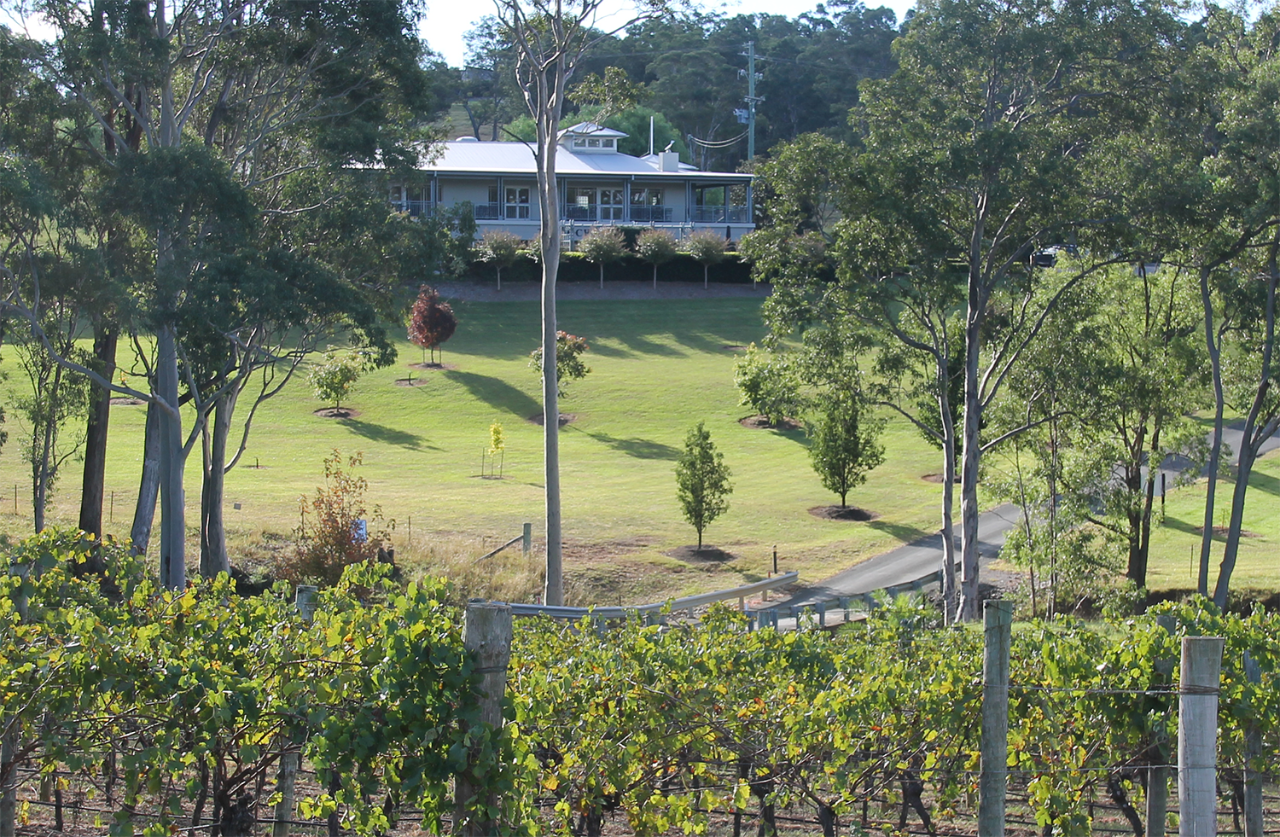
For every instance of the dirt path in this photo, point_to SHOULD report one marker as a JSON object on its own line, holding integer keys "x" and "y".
{"x": 591, "y": 291}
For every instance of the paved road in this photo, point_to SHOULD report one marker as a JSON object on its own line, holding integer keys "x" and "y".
{"x": 919, "y": 558}
{"x": 907, "y": 563}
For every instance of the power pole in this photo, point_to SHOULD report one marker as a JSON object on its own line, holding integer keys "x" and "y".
{"x": 751, "y": 98}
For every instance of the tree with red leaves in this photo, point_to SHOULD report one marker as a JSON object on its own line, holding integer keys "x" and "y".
{"x": 431, "y": 323}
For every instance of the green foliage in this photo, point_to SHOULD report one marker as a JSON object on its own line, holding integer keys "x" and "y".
{"x": 569, "y": 363}
{"x": 843, "y": 446}
{"x": 702, "y": 480}
{"x": 327, "y": 540}
{"x": 767, "y": 383}
{"x": 656, "y": 246}
{"x": 376, "y": 692}
{"x": 497, "y": 441}
{"x": 335, "y": 377}
{"x": 603, "y": 245}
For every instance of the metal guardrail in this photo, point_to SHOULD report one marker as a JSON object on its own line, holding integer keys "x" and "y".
{"x": 865, "y": 602}
{"x": 688, "y": 603}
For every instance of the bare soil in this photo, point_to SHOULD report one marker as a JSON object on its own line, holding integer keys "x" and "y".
{"x": 732, "y": 347}
{"x": 843, "y": 513}
{"x": 431, "y": 366}
{"x": 122, "y": 401}
{"x": 938, "y": 478}
{"x": 709, "y": 554}
{"x": 337, "y": 413}
{"x": 762, "y": 423}
{"x": 565, "y": 418}
{"x": 411, "y": 382}
{"x": 1221, "y": 532}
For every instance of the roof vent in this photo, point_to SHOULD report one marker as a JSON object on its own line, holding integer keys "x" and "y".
{"x": 466, "y": 139}
{"x": 669, "y": 161}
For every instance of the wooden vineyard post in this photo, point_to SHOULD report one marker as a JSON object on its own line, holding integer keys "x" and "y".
{"x": 9, "y": 743}
{"x": 994, "y": 776}
{"x": 526, "y": 539}
{"x": 1198, "y": 735}
{"x": 1158, "y": 776}
{"x": 290, "y": 760}
{"x": 487, "y": 637}
{"x": 1253, "y": 824}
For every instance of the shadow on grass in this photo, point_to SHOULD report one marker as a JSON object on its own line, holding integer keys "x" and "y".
{"x": 386, "y": 435}
{"x": 496, "y": 393}
{"x": 906, "y": 534}
{"x": 639, "y": 448}
{"x": 1187, "y": 528}
{"x": 1265, "y": 483}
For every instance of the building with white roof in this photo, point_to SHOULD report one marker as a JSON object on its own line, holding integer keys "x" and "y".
{"x": 598, "y": 184}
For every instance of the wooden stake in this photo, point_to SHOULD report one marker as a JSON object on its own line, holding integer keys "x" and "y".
{"x": 487, "y": 637}
{"x": 994, "y": 777}
{"x": 1198, "y": 736}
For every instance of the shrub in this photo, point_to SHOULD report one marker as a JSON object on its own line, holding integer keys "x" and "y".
{"x": 329, "y": 542}
{"x": 602, "y": 246}
{"x": 335, "y": 378}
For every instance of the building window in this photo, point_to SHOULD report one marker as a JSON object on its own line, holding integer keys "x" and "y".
{"x": 608, "y": 143}
{"x": 517, "y": 202}
{"x": 579, "y": 142}
{"x": 611, "y": 204}
{"x": 594, "y": 142}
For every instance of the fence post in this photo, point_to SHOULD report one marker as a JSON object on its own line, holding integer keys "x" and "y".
{"x": 527, "y": 543}
{"x": 9, "y": 743}
{"x": 290, "y": 759}
{"x": 1198, "y": 735}
{"x": 1253, "y": 825}
{"x": 1158, "y": 776}
{"x": 487, "y": 636}
{"x": 993, "y": 780}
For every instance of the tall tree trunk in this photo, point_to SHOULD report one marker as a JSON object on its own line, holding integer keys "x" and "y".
{"x": 1215, "y": 448}
{"x": 549, "y": 206}
{"x": 1249, "y": 445}
{"x": 148, "y": 484}
{"x": 213, "y": 535}
{"x": 949, "y": 602}
{"x": 93, "y": 487}
{"x": 970, "y": 452}
{"x": 172, "y": 461}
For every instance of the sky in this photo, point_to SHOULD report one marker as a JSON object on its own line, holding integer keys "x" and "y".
{"x": 449, "y": 20}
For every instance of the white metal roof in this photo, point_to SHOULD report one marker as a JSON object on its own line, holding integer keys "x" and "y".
{"x": 516, "y": 158}
{"x": 592, "y": 129}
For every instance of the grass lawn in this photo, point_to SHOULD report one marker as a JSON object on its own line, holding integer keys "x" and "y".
{"x": 1175, "y": 546}
{"x": 658, "y": 367}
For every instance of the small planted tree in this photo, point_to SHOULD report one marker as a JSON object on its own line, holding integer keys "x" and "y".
{"x": 844, "y": 444}
{"x": 335, "y": 378}
{"x": 602, "y": 246}
{"x": 497, "y": 444}
{"x": 569, "y": 363}
{"x": 706, "y": 248}
{"x": 499, "y": 248}
{"x": 431, "y": 323}
{"x": 768, "y": 384}
{"x": 656, "y": 247}
{"x": 702, "y": 480}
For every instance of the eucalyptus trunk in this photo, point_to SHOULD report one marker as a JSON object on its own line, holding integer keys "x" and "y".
{"x": 93, "y": 486}
{"x": 1250, "y": 442}
{"x": 1215, "y": 447}
{"x": 148, "y": 484}
{"x": 213, "y": 533}
{"x": 173, "y": 573}
{"x": 970, "y": 453}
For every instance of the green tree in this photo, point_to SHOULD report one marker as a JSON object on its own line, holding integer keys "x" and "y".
{"x": 569, "y": 363}
{"x": 707, "y": 248}
{"x": 702, "y": 480}
{"x": 843, "y": 445}
{"x": 768, "y": 384}
{"x": 657, "y": 247}
{"x": 335, "y": 377}
{"x": 499, "y": 248}
{"x": 602, "y": 246}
